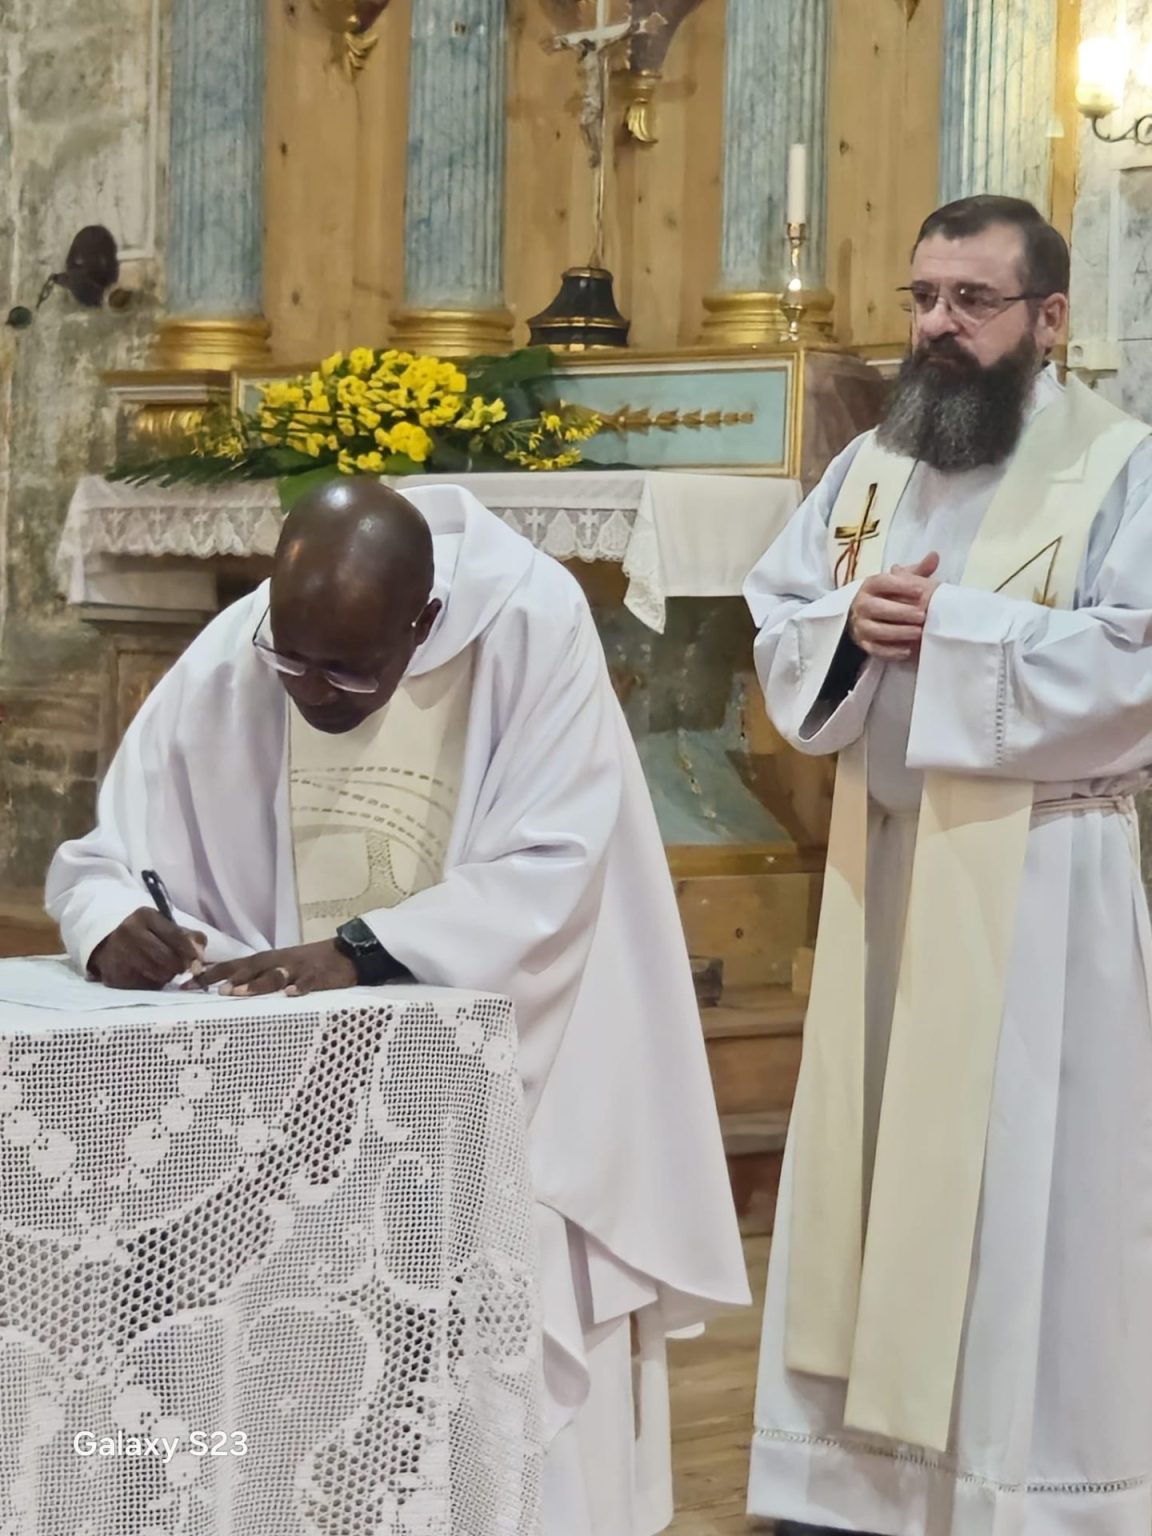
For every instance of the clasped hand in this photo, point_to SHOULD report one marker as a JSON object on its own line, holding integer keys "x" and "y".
{"x": 889, "y": 611}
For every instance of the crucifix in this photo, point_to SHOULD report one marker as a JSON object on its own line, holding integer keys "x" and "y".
{"x": 592, "y": 45}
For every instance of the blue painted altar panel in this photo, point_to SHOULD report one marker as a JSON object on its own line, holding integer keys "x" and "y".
{"x": 756, "y": 392}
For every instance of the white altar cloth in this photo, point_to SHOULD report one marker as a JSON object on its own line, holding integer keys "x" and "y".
{"x": 676, "y": 535}
{"x": 289, "y": 1242}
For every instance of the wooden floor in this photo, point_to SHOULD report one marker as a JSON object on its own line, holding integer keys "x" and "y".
{"x": 713, "y": 1385}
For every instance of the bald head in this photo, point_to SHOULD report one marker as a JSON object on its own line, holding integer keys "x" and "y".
{"x": 353, "y": 533}
{"x": 351, "y": 589}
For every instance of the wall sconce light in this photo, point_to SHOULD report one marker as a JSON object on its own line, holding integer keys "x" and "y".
{"x": 91, "y": 273}
{"x": 1102, "y": 76}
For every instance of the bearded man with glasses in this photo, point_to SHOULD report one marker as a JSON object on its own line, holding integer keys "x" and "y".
{"x": 959, "y": 1313}
{"x": 403, "y": 759}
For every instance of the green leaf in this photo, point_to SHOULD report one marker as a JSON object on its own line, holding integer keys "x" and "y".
{"x": 448, "y": 458}
{"x": 519, "y": 402}
{"x": 490, "y": 376}
{"x": 180, "y": 469}
{"x": 293, "y": 488}
{"x": 287, "y": 461}
{"x": 485, "y": 461}
{"x": 401, "y": 464}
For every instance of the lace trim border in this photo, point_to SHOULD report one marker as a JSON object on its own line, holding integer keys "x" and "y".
{"x": 945, "y": 1466}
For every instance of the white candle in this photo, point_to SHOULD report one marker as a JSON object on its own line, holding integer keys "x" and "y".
{"x": 798, "y": 184}
{"x": 1103, "y": 71}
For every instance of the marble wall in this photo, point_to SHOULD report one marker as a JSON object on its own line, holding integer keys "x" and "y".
{"x": 1111, "y": 331}
{"x": 1110, "y": 338}
{"x": 80, "y": 120}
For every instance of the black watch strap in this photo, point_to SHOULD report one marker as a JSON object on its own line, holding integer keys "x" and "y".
{"x": 374, "y": 965}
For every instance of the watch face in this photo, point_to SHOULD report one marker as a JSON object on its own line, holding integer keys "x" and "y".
{"x": 359, "y": 938}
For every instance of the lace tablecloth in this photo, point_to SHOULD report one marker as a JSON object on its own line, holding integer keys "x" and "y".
{"x": 267, "y": 1268}
{"x": 677, "y": 535}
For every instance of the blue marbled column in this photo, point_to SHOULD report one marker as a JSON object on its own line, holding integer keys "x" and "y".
{"x": 454, "y": 211}
{"x": 998, "y": 98}
{"x": 776, "y": 76}
{"x": 216, "y": 177}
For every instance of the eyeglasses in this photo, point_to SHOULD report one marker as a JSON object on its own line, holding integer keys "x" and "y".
{"x": 335, "y": 677}
{"x": 970, "y": 303}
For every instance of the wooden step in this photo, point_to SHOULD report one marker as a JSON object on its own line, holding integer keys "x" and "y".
{"x": 702, "y": 861}
{"x": 745, "y": 1012}
{"x": 753, "y": 1038}
{"x": 754, "y": 1146}
{"x": 25, "y": 927}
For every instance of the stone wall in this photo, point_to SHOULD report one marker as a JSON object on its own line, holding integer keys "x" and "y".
{"x": 1111, "y": 335}
{"x": 80, "y": 120}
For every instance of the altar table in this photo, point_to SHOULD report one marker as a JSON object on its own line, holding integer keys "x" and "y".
{"x": 267, "y": 1267}
{"x": 676, "y": 535}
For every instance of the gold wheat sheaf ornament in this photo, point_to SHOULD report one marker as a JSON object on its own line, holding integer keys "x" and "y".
{"x": 630, "y": 419}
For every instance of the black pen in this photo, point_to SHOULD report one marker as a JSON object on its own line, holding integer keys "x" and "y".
{"x": 160, "y": 898}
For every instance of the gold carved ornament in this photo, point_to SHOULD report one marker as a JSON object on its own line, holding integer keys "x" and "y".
{"x": 654, "y": 25}
{"x": 351, "y": 23}
{"x": 165, "y": 428}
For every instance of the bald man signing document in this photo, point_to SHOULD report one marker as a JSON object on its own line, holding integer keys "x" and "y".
{"x": 419, "y": 640}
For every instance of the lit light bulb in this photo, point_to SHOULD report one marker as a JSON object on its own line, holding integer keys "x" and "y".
{"x": 1103, "y": 69}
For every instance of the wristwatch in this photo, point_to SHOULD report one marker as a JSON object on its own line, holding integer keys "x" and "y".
{"x": 374, "y": 965}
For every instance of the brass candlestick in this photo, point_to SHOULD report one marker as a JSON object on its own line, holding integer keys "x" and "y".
{"x": 796, "y": 315}
{"x": 793, "y": 301}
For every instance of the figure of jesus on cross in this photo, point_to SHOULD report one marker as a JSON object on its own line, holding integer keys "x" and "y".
{"x": 592, "y": 45}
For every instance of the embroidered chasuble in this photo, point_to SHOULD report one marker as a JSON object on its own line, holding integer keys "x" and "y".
{"x": 878, "y": 1278}
{"x": 372, "y": 809}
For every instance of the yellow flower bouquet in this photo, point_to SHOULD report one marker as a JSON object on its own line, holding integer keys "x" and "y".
{"x": 388, "y": 413}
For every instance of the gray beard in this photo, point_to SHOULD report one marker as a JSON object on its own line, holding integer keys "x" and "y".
{"x": 963, "y": 419}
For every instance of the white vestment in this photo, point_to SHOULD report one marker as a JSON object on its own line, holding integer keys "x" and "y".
{"x": 1052, "y": 1426}
{"x": 556, "y": 892}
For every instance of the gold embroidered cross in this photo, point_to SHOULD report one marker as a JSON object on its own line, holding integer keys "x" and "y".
{"x": 1044, "y": 595}
{"x": 853, "y": 538}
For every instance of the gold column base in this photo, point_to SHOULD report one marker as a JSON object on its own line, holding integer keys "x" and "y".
{"x": 452, "y": 332}
{"x": 759, "y": 319}
{"x": 211, "y": 345}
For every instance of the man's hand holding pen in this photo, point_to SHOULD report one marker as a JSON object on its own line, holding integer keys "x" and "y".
{"x": 149, "y": 949}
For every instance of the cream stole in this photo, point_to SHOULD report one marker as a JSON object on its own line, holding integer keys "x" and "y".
{"x": 887, "y": 1315}
{"x": 372, "y": 810}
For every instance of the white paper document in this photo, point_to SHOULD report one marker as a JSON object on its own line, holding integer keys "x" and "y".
{"x": 53, "y": 982}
